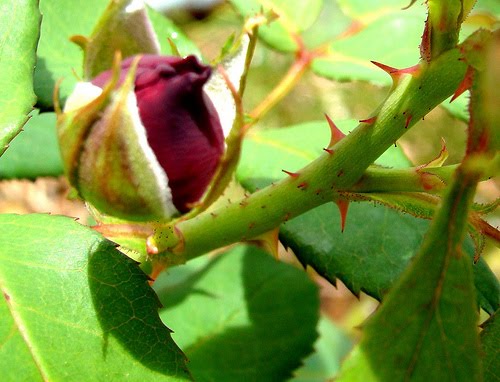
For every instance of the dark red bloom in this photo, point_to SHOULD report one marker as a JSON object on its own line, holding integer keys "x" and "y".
{"x": 181, "y": 123}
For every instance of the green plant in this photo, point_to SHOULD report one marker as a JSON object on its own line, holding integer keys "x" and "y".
{"x": 77, "y": 308}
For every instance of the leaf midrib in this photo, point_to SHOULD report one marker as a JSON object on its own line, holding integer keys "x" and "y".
{"x": 19, "y": 324}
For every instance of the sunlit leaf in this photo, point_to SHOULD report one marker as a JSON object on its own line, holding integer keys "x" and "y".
{"x": 35, "y": 151}
{"x": 380, "y": 32}
{"x": 19, "y": 30}
{"x": 241, "y": 316}
{"x": 77, "y": 309}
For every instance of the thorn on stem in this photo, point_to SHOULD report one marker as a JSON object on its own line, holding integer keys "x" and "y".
{"x": 303, "y": 185}
{"x": 465, "y": 84}
{"x": 336, "y": 134}
{"x": 369, "y": 121}
{"x": 291, "y": 174}
{"x": 343, "y": 206}
{"x": 329, "y": 151}
{"x": 395, "y": 73}
{"x": 408, "y": 120}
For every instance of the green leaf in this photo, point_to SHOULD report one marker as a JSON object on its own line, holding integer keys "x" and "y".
{"x": 267, "y": 152}
{"x": 14, "y": 350}
{"x": 83, "y": 310}
{"x": 383, "y": 33}
{"x": 293, "y": 18}
{"x": 490, "y": 6}
{"x": 390, "y": 237}
{"x": 58, "y": 58}
{"x": 375, "y": 248}
{"x": 430, "y": 313}
{"x": 241, "y": 316}
{"x": 331, "y": 348}
{"x": 19, "y": 30}
{"x": 366, "y": 10}
{"x": 35, "y": 151}
{"x": 491, "y": 347}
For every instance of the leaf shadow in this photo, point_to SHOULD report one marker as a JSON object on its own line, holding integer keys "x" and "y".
{"x": 127, "y": 310}
{"x": 279, "y": 331}
{"x": 44, "y": 84}
{"x": 175, "y": 293}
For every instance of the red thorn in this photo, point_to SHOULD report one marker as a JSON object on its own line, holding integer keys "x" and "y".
{"x": 329, "y": 151}
{"x": 343, "y": 206}
{"x": 388, "y": 69}
{"x": 337, "y": 135}
{"x": 369, "y": 121}
{"x": 412, "y": 70}
{"x": 397, "y": 73}
{"x": 465, "y": 84}
{"x": 408, "y": 120}
{"x": 292, "y": 174}
{"x": 303, "y": 185}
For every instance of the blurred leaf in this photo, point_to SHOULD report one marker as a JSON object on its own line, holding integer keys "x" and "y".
{"x": 426, "y": 327}
{"x": 34, "y": 152}
{"x": 331, "y": 348}
{"x": 241, "y": 316}
{"x": 390, "y": 238}
{"x": 294, "y": 17}
{"x": 331, "y": 22}
{"x": 380, "y": 32}
{"x": 83, "y": 310}
{"x": 363, "y": 10}
{"x": 491, "y": 347}
{"x": 59, "y": 58}
{"x": 491, "y": 6}
{"x": 459, "y": 107}
{"x": 267, "y": 152}
{"x": 19, "y": 30}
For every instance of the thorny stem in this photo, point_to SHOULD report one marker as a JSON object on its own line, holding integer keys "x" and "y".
{"x": 319, "y": 182}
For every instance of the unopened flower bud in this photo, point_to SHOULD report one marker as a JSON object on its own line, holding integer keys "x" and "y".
{"x": 148, "y": 140}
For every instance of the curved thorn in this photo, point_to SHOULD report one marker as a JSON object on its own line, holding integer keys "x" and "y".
{"x": 336, "y": 134}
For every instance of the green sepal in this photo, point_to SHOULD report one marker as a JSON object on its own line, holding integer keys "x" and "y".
{"x": 73, "y": 127}
{"x": 124, "y": 26}
{"x": 118, "y": 172}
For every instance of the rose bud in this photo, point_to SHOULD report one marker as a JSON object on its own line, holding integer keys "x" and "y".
{"x": 143, "y": 144}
